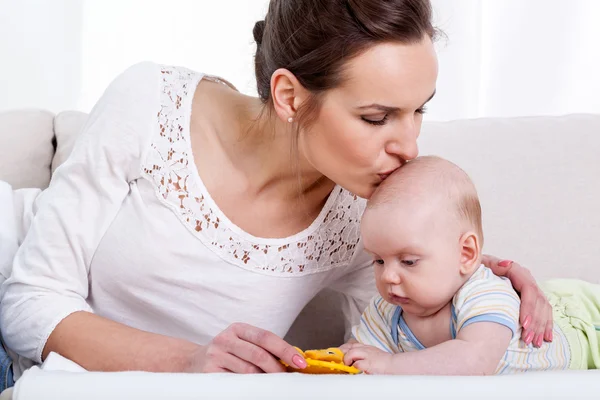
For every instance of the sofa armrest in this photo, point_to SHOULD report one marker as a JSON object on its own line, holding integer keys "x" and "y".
{"x": 26, "y": 149}
{"x": 67, "y": 126}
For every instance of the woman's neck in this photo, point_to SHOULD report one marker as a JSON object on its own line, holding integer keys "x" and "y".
{"x": 265, "y": 151}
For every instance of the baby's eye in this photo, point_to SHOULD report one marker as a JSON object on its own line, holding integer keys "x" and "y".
{"x": 410, "y": 263}
{"x": 379, "y": 261}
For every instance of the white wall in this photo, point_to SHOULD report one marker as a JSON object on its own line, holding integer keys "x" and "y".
{"x": 459, "y": 51}
{"x": 206, "y": 35}
{"x": 542, "y": 56}
{"x": 507, "y": 58}
{"x": 40, "y": 54}
{"x": 500, "y": 58}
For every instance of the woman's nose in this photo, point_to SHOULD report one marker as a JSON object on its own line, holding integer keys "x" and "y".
{"x": 404, "y": 143}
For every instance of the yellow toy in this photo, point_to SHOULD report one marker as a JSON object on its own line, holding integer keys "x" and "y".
{"x": 326, "y": 361}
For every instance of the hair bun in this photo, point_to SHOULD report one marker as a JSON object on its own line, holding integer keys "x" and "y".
{"x": 259, "y": 31}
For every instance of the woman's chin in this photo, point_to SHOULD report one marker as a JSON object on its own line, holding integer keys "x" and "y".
{"x": 362, "y": 191}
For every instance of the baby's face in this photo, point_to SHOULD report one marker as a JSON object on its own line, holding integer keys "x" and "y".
{"x": 416, "y": 251}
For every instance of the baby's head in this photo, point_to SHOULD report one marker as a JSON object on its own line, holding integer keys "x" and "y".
{"x": 423, "y": 228}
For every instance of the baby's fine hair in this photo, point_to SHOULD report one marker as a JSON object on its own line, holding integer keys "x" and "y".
{"x": 428, "y": 177}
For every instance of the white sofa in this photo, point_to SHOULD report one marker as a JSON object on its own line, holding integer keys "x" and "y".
{"x": 539, "y": 183}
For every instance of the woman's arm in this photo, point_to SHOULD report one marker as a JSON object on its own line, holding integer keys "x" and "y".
{"x": 536, "y": 312}
{"x": 49, "y": 279}
{"x": 99, "y": 344}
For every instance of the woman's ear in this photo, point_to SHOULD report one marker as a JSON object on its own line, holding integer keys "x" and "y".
{"x": 287, "y": 94}
{"x": 470, "y": 252}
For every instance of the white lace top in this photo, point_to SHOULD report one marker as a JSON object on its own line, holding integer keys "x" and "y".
{"x": 127, "y": 230}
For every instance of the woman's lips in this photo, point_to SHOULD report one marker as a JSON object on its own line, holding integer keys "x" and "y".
{"x": 385, "y": 175}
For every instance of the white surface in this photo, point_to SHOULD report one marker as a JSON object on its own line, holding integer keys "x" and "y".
{"x": 579, "y": 385}
{"x": 37, "y": 385}
{"x": 56, "y": 362}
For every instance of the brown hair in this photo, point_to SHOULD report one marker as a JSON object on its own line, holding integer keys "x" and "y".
{"x": 313, "y": 39}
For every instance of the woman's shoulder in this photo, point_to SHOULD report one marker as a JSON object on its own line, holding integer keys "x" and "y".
{"x": 144, "y": 71}
{"x": 134, "y": 81}
{"x": 146, "y": 95}
{"x": 144, "y": 82}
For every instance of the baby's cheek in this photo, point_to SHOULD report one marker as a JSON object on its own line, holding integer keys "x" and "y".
{"x": 440, "y": 292}
{"x": 429, "y": 292}
{"x": 379, "y": 283}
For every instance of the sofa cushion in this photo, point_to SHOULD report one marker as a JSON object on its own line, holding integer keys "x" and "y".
{"x": 538, "y": 180}
{"x": 26, "y": 148}
{"x": 67, "y": 126}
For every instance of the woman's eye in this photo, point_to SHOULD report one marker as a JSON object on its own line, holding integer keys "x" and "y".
{"x": 421, "y": 110}
{"x": 379, "y": 262}
{"x": 409, "y": 263}
{"x": 377, "y": 122}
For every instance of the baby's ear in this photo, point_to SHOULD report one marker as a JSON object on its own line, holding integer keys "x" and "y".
{"x": 470, "y": 250}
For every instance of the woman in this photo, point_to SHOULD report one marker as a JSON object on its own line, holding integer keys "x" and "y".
{"x": 187, "y": 208}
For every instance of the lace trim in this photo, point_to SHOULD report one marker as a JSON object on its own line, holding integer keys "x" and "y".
{"x": 169, "y": 165}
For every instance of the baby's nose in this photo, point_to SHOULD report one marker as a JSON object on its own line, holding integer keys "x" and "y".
{"x": 391, "y": 276}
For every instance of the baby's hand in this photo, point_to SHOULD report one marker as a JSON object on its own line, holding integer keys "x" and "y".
{"x": 348, "y": 345}
{"x": 368, "y": 359}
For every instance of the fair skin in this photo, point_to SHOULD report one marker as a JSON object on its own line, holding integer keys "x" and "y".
{"x": 265, "y": 198}
{"x": 423, "y": 254}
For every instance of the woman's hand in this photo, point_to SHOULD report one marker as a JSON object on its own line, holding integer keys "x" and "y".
{"x": 536, "y": 312}
{"x": 245, "y": 349}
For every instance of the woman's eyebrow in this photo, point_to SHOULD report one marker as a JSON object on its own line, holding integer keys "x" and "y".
{"x": 390, "y": 109}
{"x": 380, "y": 107}
{"x": 430, "y": 97}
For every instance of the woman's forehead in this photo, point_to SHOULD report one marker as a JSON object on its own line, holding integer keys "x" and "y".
{"x": 404, "y": 74}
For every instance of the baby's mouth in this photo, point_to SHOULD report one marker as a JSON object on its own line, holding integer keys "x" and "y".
{"x": 399, "y": 299}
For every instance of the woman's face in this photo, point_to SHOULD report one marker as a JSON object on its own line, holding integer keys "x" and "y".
{"x": 368, "y": 127}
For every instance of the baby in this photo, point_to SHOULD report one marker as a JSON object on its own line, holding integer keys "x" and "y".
{"x": 423, "y": 228}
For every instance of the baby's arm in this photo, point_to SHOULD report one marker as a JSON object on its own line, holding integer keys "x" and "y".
{"x": 477, "y": 350}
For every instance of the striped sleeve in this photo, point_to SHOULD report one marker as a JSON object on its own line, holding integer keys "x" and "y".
{"x": 374, "y": 328}
{"x": 487, "y": 299}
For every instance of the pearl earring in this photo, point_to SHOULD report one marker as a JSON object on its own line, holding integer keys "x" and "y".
{"x": 290, "y": 120}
